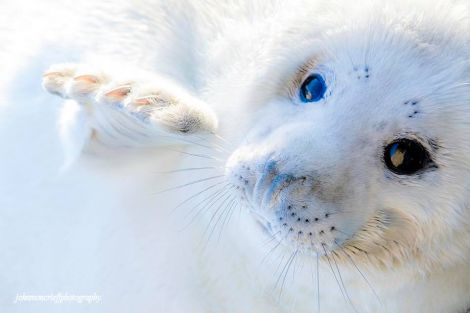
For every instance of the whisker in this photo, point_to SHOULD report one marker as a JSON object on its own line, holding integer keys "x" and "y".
{"x": 342, "y": 232}
{"x": 269, "y": 252}
{"x": 204, "y": 156}
{"x": 190, "y": 142}
{"x": 287, "y": 272}
{"x": 282, "y": 271}
{"x": 363, "y": 276}
{"x": 333, "y": 271}
{"x": 223, "y": 139}
{"x": 282, "y": 257}
{"x": 341, "y": 212}
{"x": 190, "y": 169}
{"x": 271, "y": 238}
{"x": 220, "y": 146}
{"x": 273, "y": 249}
{"x": 222, "y": 213}
{"x": 199, "y": 193}
{"x": 191, "y": 183}
{"x": 293, "y": 269}
{"x": 237, "y": 203}
{"x": 227, "y": 217}
{"x": 342, "y": 283}
{"x": 223, "y": 216}
{"x": 213, "y": 200}
{"x": 214, "y": 215}
{"x": 317, "y": 278}
{"x": 318, "y": 285}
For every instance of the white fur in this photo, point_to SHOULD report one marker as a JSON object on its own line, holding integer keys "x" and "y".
{"x": 96, "y": 224}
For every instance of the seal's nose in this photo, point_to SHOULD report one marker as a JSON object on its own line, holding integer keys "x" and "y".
{"x": 267, "y": 174}
{"x": 269, "y": 183}
{"x": 278, "y": 183}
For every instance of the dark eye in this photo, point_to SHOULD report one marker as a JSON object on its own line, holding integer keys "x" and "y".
{"x": 405, "y": 156}
{"x": 313, "y": 88}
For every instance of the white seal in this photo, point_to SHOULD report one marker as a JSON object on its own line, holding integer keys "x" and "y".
{"x": 342, "y": 129}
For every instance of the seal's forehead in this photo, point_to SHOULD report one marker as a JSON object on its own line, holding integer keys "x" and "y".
{"x": 398, "y": 43}
{"x": 426, "y": 30}
{"x": 402, "y": 49}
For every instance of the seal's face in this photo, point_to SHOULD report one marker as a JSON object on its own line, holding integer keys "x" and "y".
{"x": 362, "y": 147}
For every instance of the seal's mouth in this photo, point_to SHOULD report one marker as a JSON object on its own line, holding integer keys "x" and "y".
{"x": 291, "y": 208}
{"x": 285, "y": 208}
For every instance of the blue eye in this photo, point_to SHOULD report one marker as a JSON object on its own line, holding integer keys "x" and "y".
{"x": 313, "y": 88}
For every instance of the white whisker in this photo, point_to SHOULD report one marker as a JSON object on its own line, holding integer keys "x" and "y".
{"x": 209, "y": 202}
{"x": 199, "y": 193}
{"x": 189, "y": 184}
{"x": 189, "y": 169}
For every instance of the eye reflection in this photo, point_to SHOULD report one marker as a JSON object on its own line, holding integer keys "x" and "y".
{"x": 313, "y": 88}
{"x": 405, "y": 156}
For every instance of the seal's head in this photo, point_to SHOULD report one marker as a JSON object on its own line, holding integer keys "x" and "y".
{"x": 360, "y": 140}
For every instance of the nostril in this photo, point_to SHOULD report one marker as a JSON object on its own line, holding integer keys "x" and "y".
{"x": 269, "y": 186}
{"x": 265, "y": 179}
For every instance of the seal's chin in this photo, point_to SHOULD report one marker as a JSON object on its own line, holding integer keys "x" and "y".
{"x": 298, "y": 231}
